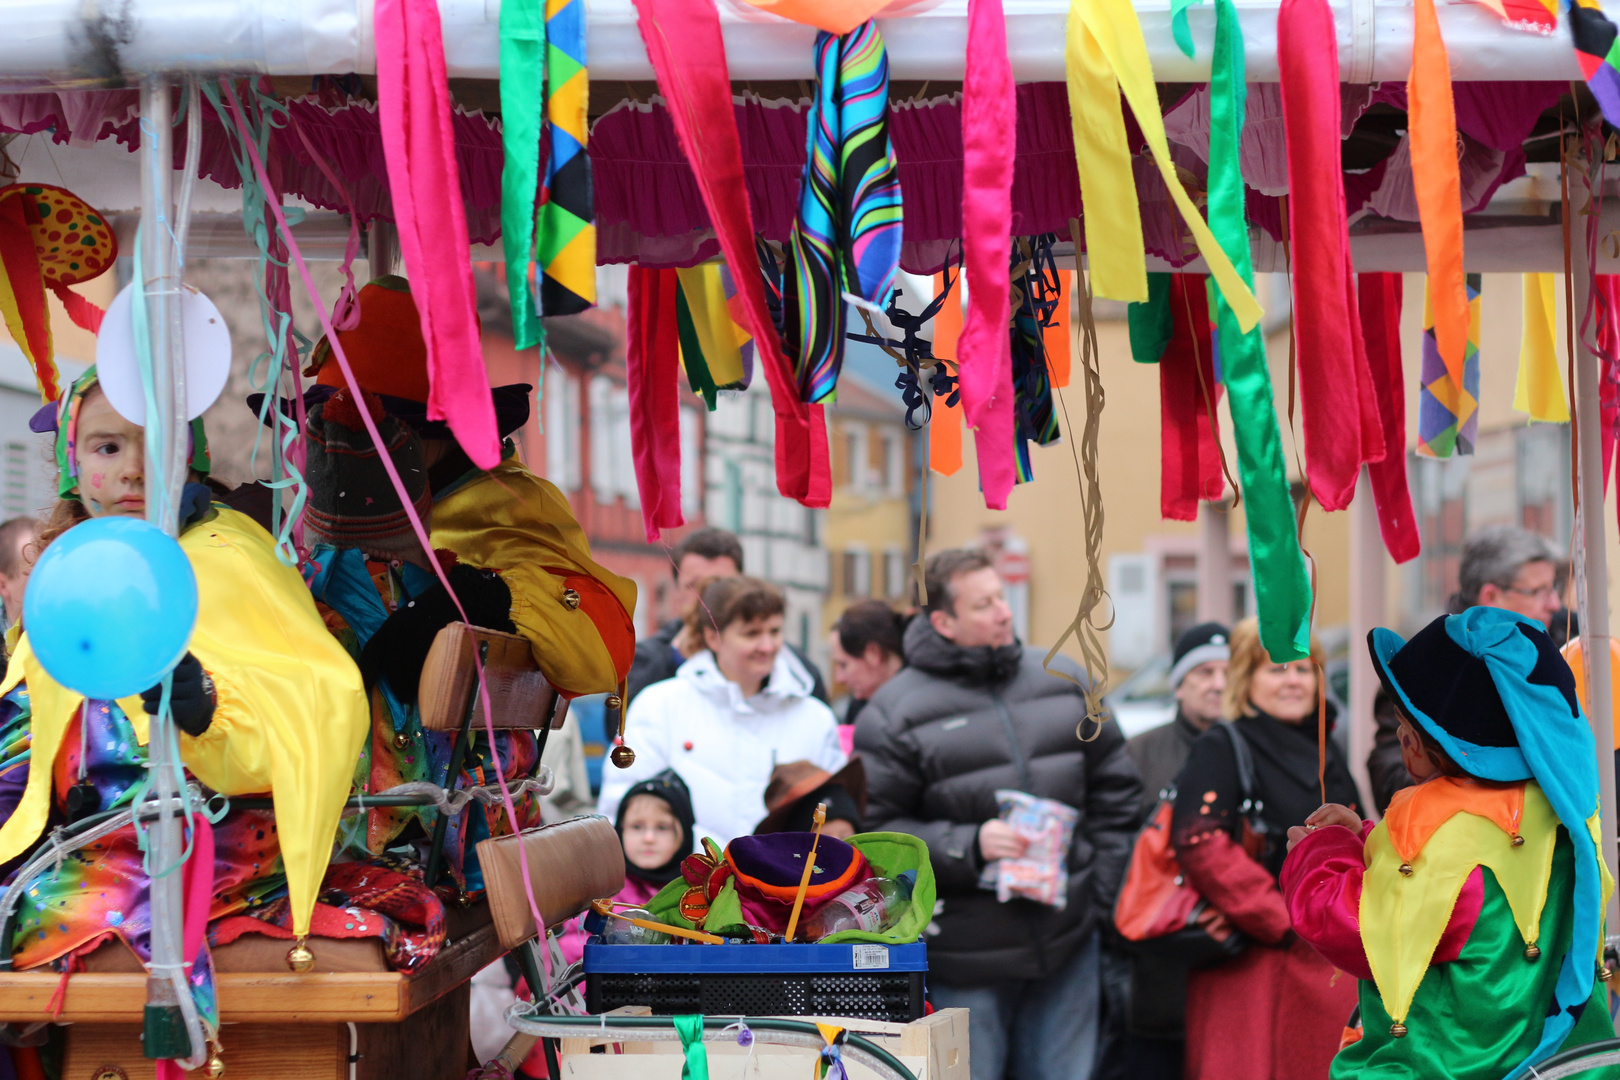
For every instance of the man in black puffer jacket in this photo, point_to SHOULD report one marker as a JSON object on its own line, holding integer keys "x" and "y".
{"x": 972, "y": 713}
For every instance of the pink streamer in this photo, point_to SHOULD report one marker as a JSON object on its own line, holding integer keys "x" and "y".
{"x": 413, "y": 105}
{"x": 399, "y": 488}
{"x": 987, "y": 171}
{"x": 346, "y": 312}
{"x": 198, "y": 878}
{"x": 652, "y": 369}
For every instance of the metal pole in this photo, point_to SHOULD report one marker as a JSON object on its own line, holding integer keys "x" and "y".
{"x": 165, "y": 1028}
{"x": 1594, "y": 556}
{"x": 1214, "y": 564}
{"x": 1366, "y": 611}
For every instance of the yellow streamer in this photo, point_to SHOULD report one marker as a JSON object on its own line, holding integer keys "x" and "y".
{"x": 1105, "y": 48}
{"x": 1540, "y": 387}
{"x": 711, "y": 319}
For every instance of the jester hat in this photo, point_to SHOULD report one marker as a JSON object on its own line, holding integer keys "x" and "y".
{"x": 61, "y": 417}
{"x": 49, "y": 239}
{"x": 1491, "y": 688}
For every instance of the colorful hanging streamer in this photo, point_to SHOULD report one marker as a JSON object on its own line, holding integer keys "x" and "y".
{"x": 522, "y": 87}
{"x": 1432, "y": 129}
{"x": 985, "y": 356}
{"x": 1379, "y": 297}
{"x": 1448, "y": 409}
{"x": 846, "y": 238}
{"x": 1595, "y": 49}
{"x": 1038, "y": 290}
{"x": 651, "y": 370}
{"x": 1104, "y": 56}
{"x": 688, "y": 54}
{"x": 945, "y": 427}
{"x": 1189, "y": 459}
{"x": 695, "y": 1063}
{"x": 833, "y": 16}
{"x": 704, "y": 290}
{"x": 1152, "y": 322}
{"x": 424, "y": 180}
{"x": 1539, "y": 388}
{"x": 565, "y": 246}
{"x": 1276, "y": 565}
{"x": 1341, "y": 417}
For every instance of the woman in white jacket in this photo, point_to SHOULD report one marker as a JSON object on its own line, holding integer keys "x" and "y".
{"x": 732, "y": 712}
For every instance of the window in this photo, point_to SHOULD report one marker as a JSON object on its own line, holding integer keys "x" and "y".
{"x": 691, "y": 462}
{"x": 894, "y": 452}
{"x": 853, "y": 441}
{"x": 613, "y": 472}
{"x": 560, "y": 400}
{"x": 15, "y": 497}
{"x": 857, "y": 574}
{"x": 894, "y": 573}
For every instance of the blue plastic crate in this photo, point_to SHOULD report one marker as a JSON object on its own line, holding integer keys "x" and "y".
{"x": 861, "y": 981}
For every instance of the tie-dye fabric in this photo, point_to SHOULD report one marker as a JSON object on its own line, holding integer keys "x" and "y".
{"x": 358, "y": 596}
{"x": 846, "y": 238}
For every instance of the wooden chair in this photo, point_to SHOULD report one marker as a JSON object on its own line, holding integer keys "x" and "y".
{"x": 278, "y": 1024}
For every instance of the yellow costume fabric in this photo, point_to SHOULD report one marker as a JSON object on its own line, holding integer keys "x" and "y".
{"x": 511, "y": 521}
{"x": 1403, "y": 916}
{"x": 1106, "y": 55}
{"x": 291, "y": 710}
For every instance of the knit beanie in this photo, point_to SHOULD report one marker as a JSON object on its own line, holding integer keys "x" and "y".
{"x": 352, "y": 502}
{"x": 1199, "y": 645}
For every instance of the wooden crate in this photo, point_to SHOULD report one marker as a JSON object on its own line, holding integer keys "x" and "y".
{"x": 933, "y": 1048}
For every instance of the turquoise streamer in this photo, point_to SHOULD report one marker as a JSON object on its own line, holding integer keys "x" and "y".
{"x": 1178, "y": 25}
{"x": 1276, "y": 566}
{"x": 523, "y": 73}
{"x": 690, "y": 1029}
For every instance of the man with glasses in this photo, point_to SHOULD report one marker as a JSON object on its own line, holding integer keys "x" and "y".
{"x": 1510, "y": 568}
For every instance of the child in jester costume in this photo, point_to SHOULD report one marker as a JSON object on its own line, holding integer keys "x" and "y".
{"x": 1473, "y": 913}
{"x": 264, "y": 702}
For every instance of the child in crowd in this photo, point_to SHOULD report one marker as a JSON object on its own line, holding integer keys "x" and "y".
{"x": 262, "y": 673}
{"x": 655, "y": 827}
{"x": 1476, "y": 905}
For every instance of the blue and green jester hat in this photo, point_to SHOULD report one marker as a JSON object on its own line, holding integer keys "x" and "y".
{"x": 1492, "y": 689}
{"x": 61, "y": 417}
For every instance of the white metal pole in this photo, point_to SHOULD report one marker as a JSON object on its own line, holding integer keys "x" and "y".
{"x": 165, "y": 1028}
{"x": 1594, "y": 555}
{"x": 1367, "y": 595}
{"x": 1214, "y": 563}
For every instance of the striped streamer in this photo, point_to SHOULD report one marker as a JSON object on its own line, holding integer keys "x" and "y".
{"x": 1448, "y": 414}
{"x": 565, "y": 244}
{"x": 846, "y": 238}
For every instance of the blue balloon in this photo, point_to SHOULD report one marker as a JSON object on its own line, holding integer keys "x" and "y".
{"x": 110, "y": 607}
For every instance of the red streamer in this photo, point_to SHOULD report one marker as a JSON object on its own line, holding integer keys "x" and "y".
{"x": 1190, "y": 462}
{"x": 1380, "y": 305}
{"x": 652, "y": 368}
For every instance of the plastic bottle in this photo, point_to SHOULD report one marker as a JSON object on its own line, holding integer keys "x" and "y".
{"x": 874, "y": 906}
{"x": 619, "y": 932}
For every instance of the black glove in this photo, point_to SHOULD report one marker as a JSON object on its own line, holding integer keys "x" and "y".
{"x": 399, "y": 648}
{"x": 191, "y": 700}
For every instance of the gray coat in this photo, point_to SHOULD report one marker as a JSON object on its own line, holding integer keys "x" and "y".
{"x": 939, "y": 739}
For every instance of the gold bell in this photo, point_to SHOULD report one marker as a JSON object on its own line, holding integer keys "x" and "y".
{"x": 216, "y": 1066}
{"x": 1603, "y": 973}
{"x": 613, "y": 701}
{"x": 1532, "y": 952}
{"x": 570, "y": 599}
{"x": 299, "y": 958}
{"x": 401, "y": 741}
{"x": 622, "y": 757}
{"x": 1406, "y": 869}
{"x": 1518, "y": 841}
{"x": 1397, "y": 1030}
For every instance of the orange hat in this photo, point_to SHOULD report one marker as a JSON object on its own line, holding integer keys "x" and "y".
{"x": 385, "y": 349}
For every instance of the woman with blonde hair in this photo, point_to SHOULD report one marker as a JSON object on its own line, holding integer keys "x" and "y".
{"x": 1277, "y": 1010}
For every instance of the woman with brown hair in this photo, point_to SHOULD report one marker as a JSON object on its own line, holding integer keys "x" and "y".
{"x": 735, "y": 709}
{"x": 1277, "y": 1010}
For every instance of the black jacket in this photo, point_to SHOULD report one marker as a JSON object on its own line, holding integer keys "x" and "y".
{"x": 939, "y": 739}
{"x": 657, "y": 660}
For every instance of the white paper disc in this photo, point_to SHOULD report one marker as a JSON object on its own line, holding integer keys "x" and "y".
{"x": 207, "y": 355}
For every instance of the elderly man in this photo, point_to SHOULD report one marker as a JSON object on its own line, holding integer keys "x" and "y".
{"x": 1509, "y": 568}
{"x": 972, "y": 713}
{"x": 1198, "y": 678}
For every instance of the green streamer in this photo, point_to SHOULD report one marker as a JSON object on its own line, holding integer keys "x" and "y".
{"x": 1152, "y": 323}
{"x": 1178, "y": 25}
{"x": 1276, "y": 566}
{"x": 690, "y": 1029}
{"x": 523, "y": 73}
{"x": 697, "y": 366}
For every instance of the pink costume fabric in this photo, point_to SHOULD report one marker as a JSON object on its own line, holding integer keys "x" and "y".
{"x": 687, "y": 53}
{"x": 1321, "y": 884}
{"x": 413, "y": 105}
{"x": 652, "y": 369}
{"x": 1341, "y": 417}
{"x": 1379, "y": 299}
{"x": 988, "y": 114}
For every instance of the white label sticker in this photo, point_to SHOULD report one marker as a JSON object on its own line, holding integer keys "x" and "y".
{"x": 871, "y": 956}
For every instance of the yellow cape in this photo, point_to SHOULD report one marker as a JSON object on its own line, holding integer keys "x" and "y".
{"x": 512, "y": 521}
{"x": 291, "y": 713}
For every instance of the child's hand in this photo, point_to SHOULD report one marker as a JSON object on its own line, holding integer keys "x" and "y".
{"x": 1330, "y": 814}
